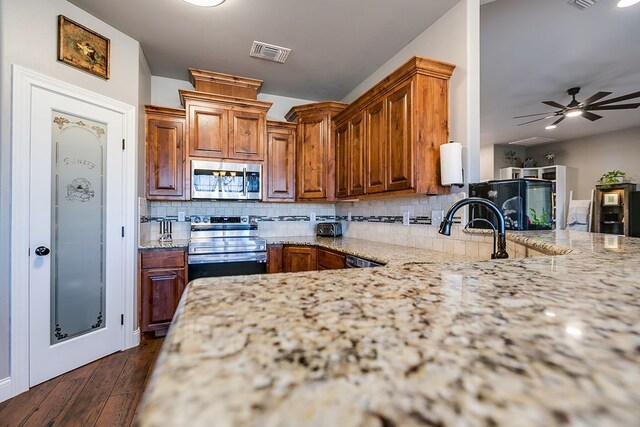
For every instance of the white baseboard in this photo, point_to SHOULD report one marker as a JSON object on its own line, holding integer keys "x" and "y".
{"x": 5, "y": 389}
{"x": 136, "y": 338}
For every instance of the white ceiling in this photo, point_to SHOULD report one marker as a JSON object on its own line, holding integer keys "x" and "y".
{"x": 335, "y": 44}
{"x": 533, "y": 51}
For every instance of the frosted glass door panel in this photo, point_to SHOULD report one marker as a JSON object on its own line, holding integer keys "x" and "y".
{"x": 78, "y": 226}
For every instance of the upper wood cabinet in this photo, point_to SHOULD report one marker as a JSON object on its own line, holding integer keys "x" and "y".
{"x": 401, "y": 123}
{"x": 315, "y": 150}
{"x": 225, "y": 127}
{"x": 342, "y": 160}
{"x": 224, "y": 84}
{"x": 280, "y": 162}
{"x": 165, "y": 153}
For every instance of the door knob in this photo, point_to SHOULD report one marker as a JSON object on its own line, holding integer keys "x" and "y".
{"x": 42, "y": 251}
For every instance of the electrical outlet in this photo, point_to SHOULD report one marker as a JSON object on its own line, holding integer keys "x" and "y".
{"x": 405, "y": 218}
{"x": 437, "y": 217}
{"x": 181, "y": 216}
{"x": 349, "y": 216}
{"x": 312, "y": 217}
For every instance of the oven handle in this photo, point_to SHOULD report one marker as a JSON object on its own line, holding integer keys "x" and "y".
{"x": 246, "y": 184}
{"x": 260, "y": 257}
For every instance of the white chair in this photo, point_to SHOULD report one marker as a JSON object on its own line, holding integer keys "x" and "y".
{"x": 579, "y": 213}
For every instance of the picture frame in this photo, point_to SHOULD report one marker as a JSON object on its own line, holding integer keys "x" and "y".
{"x": 83, "y": 48}
{"x": 610, "y": 199}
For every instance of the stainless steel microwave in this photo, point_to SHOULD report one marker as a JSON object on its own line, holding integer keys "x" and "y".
{"x": 226, "y": 180}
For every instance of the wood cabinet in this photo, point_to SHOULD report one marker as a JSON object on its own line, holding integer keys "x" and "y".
{"x": 612, "y": 214}
{"x": 274, "y": 258}
{"x": 398, "y": 126}
{"x": 299, "y": 258}
{"x": 224, "y": 84}
{"x": 330, "y": 260}
{"x": 163, "y": 277}
{"x": 165, "y": 153}
{"x": 342, "y": 160}
{"x": 225, "y": 127}
{"x": 315, "y": 150}
{"x": 280, "y": 162}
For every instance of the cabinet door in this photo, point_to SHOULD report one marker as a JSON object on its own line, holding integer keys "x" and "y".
{"x": 280, "y": 170}
{"x": 399, "y": 147}
{"x": 329, "y": 260}
{"x": 208, "y": 131}
{"x": 161, "y": 292}
{"x": 246, "y": 141}
{"x": 311, "y": 178}
{"x": 299, "y": 258}
{"x": 165, "y": 158}
{"x": 342, "y": 160}
{"x": 274, "y": 258}
{"x": 376, "y": 149}
{"x": 356, "y": 155}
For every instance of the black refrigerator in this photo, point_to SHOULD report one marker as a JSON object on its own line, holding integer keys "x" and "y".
{"x": 527, "y": 204}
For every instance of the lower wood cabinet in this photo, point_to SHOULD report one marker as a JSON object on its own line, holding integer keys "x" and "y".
{"x": 163, "y": 277}
{"x": 299, "y": 258}
{"x": 274, "y": 258}
{"x": 330, "y": 260}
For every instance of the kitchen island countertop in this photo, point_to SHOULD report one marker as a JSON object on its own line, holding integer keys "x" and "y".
{"x": 548, "y": 340}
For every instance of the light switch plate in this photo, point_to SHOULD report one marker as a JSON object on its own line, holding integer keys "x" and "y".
{"x": 312, "y": 217}
{"x": 436, "y": 217}
{"x": 349, "y": 216}
{"x": 405, "y": 218}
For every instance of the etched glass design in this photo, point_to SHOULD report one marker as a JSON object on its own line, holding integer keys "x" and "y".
{"x": 78, "y": 227}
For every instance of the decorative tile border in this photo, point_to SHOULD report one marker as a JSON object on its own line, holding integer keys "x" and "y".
{"x": 386, "y": 219}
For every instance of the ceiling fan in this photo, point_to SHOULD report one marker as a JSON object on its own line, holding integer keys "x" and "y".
{"x": 584, "y": 109}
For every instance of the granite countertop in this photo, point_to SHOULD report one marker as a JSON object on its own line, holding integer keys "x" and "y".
{"x": 156, "y": 244}
{"x": 548, "y": 340}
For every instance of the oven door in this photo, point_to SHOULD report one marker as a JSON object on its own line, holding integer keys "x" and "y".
{"x": 227, "y": 264}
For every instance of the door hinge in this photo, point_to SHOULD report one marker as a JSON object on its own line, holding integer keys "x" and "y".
{"x": 123, "y": 144}
{"x": 122, "y": 319}
{"x": 123, "y": 231}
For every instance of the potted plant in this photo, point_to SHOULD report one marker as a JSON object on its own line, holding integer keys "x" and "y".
{"x": 611, "y": 177}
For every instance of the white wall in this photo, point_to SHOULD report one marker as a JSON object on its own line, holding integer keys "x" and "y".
{"x": 29, "y": 38}
{"x": 486, "y": 163}
{"x": 164, "y": 92}
{"x": 453, "y": 38}
{"x": 589, "y": 157}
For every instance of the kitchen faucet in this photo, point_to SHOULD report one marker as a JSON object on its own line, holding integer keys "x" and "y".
{"x": 445, "y": 226}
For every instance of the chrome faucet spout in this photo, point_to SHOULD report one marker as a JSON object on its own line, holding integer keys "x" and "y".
{"x": 445, "y": 226}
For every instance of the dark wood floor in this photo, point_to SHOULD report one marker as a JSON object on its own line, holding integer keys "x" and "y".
{"x": 103, "y": 393}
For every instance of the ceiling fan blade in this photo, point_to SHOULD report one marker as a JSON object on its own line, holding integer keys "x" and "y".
{"x": 595, "y": 97}
{"x": 537, "y": 114}
{"x": 558, "y": 121}
{"x": 535, "y": 120}
{"x": 554, "y": 104}
{"x": 613, "y": 107}
{"x": 618, "y": 99}
{"x": 590, "y": 116}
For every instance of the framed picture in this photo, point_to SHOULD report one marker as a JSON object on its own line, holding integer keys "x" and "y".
{"x": 610, "y": 199}
{"x": 83, "y": 48}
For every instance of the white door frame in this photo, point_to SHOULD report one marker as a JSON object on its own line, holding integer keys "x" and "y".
{"x": 24, "y": 81}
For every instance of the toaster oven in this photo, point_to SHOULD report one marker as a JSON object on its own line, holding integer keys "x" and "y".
{"x": 329, "y": 229}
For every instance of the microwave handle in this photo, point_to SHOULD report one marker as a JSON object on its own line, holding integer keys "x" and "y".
{"x": 244, "y": 177}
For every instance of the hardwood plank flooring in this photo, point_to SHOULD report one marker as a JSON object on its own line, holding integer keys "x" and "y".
{"x": 103, "y": 393}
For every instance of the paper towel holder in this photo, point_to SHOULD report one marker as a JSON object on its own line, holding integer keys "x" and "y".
{"x": 456, "y": 158}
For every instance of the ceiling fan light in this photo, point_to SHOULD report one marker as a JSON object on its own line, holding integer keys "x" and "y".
{"x": 549, "y": 127}
{"x": 627, "y": 3}
{"x": 205, "y": 3}
{"x": 575, "y": 112}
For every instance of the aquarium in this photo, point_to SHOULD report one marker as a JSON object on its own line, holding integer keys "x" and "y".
{"x": 526, "y": 204}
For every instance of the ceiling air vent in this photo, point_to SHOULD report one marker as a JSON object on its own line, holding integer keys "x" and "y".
{"x": 269, "y": 52}
{"x": 582, "y": 4}
{"x": 528, "y": 142}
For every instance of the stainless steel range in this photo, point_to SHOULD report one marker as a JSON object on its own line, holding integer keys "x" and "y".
{"x": 225, "y": 246}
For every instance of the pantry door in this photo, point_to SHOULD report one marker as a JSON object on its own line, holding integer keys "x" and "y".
{"x": 75, "y": 229}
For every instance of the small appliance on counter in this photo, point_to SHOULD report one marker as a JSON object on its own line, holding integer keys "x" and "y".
{"x": 526, "y": 204}
{"x": 329, "y": 229}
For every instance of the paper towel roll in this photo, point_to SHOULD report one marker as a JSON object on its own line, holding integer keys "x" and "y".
{"x": 451, "y": 163}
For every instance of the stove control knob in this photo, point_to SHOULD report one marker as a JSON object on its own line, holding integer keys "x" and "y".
{"x": 244, "y": 219}
{"x": 196, "y": 219}
{"x": 205, "y": 219}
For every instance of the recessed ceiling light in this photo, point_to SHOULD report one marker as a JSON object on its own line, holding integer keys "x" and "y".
{"x": 627, "y": 3}
{"x": 575, "y": 112}
{"x": 550, "y": 127}
{"x": 205, "y": 3}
